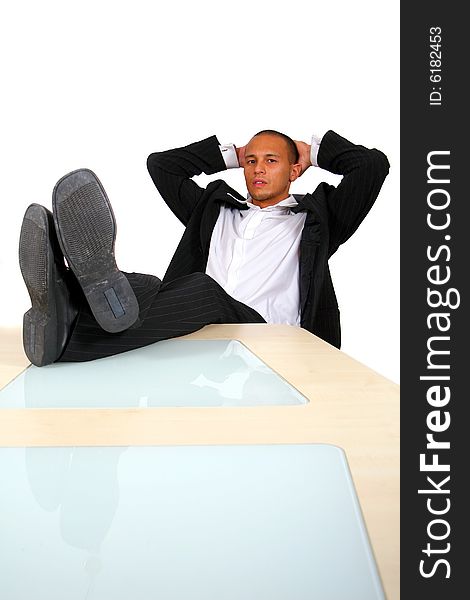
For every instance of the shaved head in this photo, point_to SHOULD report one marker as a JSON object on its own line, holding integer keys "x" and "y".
{"x": 293, "y": 153}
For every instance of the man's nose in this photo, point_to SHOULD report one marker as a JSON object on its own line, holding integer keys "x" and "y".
{"x": 259, "y": 167}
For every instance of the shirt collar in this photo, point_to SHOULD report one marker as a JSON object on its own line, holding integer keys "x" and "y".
{"x": 288, "y": 202}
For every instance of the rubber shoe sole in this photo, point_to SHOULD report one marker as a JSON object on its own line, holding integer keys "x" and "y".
{"x": 86, "y": 230}
{"x": 46, "y": 326}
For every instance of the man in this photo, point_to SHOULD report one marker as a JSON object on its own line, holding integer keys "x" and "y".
{"x": 256, "y": 260}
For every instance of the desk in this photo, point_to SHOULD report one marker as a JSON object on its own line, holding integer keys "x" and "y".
{"x": 349, "y": 406}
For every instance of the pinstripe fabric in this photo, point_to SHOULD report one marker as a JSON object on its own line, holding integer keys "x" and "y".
{"x": 166, "y": 310}
{"x": 364, "y": 171}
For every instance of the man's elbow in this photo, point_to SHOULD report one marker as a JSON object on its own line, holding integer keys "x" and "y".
{"x": 382, "y": 164}
{"x": 157, "y": 166}
{"x": 376, "y": 163}
{"x": 152, "y": 162}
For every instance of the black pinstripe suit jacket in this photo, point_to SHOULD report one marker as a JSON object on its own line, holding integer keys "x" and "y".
{"x": 333, "y": 215}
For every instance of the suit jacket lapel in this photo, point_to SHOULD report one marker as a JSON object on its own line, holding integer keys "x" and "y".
{"x": 315, "y": 231}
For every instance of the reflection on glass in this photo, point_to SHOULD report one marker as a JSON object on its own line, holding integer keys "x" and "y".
{"x": 83, "y": 493}
{"x": 278, "y": 522}
{"x": 170, "y": 373}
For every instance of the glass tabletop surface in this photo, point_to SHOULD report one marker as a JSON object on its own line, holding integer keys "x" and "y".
{"x": 259, "y": 522}
{"x": 169, "y": 373}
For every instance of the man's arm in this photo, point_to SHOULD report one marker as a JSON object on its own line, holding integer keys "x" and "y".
{"x": 364, "y": 171}
{"x": 171, "y": 172}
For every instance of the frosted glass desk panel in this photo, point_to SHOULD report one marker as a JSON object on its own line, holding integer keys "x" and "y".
{"x": 169, "y": 373}
{"x": 274, "y": 522}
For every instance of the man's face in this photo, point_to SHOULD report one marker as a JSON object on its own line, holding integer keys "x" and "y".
{"x": 268, "y": 172}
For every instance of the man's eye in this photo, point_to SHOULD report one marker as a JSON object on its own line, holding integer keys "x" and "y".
{"x": 272, "y": 160}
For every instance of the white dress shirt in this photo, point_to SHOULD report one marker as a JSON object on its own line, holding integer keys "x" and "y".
{"x": 254, "y": 253}
{"x": 254, "y": 256}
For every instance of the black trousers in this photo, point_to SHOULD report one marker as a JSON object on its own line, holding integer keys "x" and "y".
{"x": 167, "y": 310}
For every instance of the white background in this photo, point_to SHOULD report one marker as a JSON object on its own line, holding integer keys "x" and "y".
{"x": 103, "y": 84}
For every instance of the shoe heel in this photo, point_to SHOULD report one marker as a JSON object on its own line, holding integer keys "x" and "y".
{"x": 113, "y": 304}
{"x": 38, "y": 338}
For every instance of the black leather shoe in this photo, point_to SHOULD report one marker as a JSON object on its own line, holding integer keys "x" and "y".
{"x": 86, "y": 230}
{"x": 47, "y": 325}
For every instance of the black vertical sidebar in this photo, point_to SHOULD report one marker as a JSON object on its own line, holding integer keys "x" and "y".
{"x": 435, "y": 251}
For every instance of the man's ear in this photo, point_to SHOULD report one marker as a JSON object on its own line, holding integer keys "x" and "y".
{"x": 295, "y": 172}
